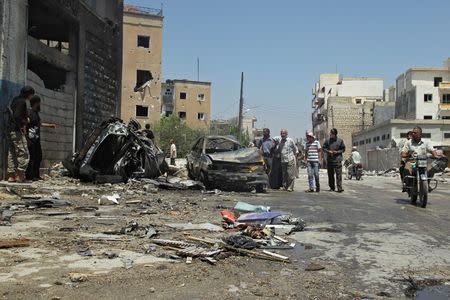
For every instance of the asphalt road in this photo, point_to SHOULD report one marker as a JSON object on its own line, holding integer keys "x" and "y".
{"x": 370, "y": 234}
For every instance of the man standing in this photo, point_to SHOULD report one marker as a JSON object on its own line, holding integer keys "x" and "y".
{"x": 34, "y": 139}
{"x": 173, "y": 152}
{"x": 334, "y": 147}
{"x": 16, "y": 133}
{"x": 313, "y": 160}
{"x": 266, "y": 146}
{"x": 288, "y": 150}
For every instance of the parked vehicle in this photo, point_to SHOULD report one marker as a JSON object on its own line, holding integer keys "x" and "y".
{"x": 222, "y": 162}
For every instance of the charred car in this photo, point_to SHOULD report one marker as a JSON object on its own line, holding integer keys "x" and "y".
{"x": 222, "y": 162}
{"x": 117, "y": 151}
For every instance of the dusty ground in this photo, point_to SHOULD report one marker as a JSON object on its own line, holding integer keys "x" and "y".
{"x": 363, "y": 245}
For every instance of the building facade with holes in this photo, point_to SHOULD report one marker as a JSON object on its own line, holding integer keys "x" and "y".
{"x": 423, "y": 93}
{"x": 141, "y": 69}
{"x": 70, "y": 51}
{"x": 189, "y": 100}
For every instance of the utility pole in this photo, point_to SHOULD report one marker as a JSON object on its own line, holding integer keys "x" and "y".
{"x": 198, "y": 69}
{"x": 241, "y": 106}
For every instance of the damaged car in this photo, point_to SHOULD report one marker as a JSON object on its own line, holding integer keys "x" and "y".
{"x": 222, "y": 162}
{"x": 117, "y": 151}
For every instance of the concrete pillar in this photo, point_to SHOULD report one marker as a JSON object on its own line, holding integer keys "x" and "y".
{"x": 13, "y": 61}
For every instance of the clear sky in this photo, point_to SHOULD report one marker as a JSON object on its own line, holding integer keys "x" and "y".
{"x": 283, "y": 46}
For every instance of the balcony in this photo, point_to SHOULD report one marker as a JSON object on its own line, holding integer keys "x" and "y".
{"x": 444, "y": 110}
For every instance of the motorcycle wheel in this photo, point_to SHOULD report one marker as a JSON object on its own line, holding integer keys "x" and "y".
{"x": 423, "y": 190}
{"x": 349, "y": 175}
{"x": 358, "y": 175}
{"x": 413, "y": 192}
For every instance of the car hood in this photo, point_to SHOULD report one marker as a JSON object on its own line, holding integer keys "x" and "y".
{"x": 244, "y": 156}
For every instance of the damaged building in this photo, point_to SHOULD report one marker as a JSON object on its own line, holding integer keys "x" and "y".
{"x": 69, "y": 51}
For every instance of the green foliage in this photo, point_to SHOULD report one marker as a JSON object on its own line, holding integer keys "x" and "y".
{"x": 243, "y": 138}
{"x": 172, "y": 127}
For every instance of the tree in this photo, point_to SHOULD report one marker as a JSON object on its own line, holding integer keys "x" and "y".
{"x": 172, "y": 127}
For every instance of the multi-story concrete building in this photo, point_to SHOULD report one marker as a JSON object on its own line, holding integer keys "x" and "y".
{"x": 71, "y": 53}
{"x": 346, "y": 104}
{"x": 189, "y": 100}
{"x": 141, "y": 70}
{"x": 423, "y": 93}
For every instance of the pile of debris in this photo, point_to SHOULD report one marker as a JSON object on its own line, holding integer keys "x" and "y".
{"x": 252, "y": 234}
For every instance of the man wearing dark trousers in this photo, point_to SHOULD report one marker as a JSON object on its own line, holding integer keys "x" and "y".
{"x": 34, "y": 138}
{"x": 333, "y": 148}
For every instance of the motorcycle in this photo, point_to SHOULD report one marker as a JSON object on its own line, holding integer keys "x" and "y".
{"x": 418, "y": 184}
{"x": 353, "y": 170}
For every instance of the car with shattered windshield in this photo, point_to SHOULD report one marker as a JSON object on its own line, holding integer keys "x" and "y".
{"x": 222, "y": 162}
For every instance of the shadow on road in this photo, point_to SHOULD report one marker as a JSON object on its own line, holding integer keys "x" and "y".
{"x": 402, "y": 201}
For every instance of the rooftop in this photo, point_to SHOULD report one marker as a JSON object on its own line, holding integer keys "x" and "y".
{"x": 143, "y": 10}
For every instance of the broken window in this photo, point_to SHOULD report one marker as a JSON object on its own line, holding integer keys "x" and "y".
{"x": 428, "y": 98}
{"x": 427, "y": 117}
{"x": 201, "y": 97}
{"x": 182, "y": 114}
{"x": 446, "y": 118}
{"x": 446, "y": 98}
{"x": 358, "y": 101}
{"x": 183, "y": 95}
{"x": 143, "y": 41}
{"x": 141, "y": 111}
{"x": 201, "y": 116}
{"x": 437, "y": 80}
{"x": 215, "y": 145}
{"x": 446, "y": 135}
{"x": 142, "y": 77}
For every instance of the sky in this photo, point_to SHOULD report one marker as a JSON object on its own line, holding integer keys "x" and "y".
{"x": 283, "y": 46}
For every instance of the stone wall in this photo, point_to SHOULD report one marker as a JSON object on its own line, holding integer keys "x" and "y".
{"x": 348, "y": 118}
{"x": 58, "y": 108}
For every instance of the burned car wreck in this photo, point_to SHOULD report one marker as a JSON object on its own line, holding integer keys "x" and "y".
{"x": 115, "y": 152}
{"x": 221, "y": 162}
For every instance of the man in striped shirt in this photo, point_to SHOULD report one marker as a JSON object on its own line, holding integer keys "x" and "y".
{"x": 313, "y": 159}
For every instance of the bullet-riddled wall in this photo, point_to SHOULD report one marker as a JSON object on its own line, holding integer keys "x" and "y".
{"x": 142, "y": 46}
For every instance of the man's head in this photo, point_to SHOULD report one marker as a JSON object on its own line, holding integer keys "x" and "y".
{"x": 409, "y": 135}
{"x": 27, "y": 92}
{"x": 283, "y": 133}
{"x": 266, "y": 132}
{"x": 35, "y": 103}
{"x": 354, "y": 149}
{"x": 309, "y": 136}
{"x": 172, "y": 141}
{"x": 147, "y": 126}
{"x": 417, "y": 134}
{"x": 333, "y": 133}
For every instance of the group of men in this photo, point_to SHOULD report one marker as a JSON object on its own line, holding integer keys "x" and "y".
{"x": 281, "y": 153}
{"x": 24, "y": 136}
{"x": 280, "y": 157}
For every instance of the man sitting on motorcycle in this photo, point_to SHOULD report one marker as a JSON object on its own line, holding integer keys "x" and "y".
{"x": 355, "y": 158}
{"x": 414, "y": 147}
